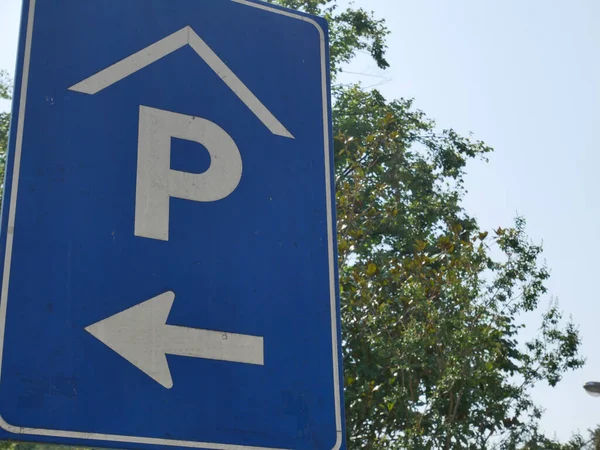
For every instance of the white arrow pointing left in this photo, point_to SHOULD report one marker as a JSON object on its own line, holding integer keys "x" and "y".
{"x": 141, "y": 335}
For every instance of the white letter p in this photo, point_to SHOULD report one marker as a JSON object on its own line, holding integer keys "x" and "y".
{"x": 157, "y": 182}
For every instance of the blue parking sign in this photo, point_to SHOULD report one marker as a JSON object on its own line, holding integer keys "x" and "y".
{"x": 168, "y": 230}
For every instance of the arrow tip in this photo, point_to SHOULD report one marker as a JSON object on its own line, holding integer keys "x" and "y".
{"x": 135, "y": 334}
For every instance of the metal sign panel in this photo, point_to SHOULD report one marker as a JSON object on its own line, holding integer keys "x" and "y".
{"x": 168, "y": 230}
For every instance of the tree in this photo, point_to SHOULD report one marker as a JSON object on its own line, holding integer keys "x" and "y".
{"x": 430, "y": 319}
{"x": 577, "y": 442}
{"x": 5, "y": 94}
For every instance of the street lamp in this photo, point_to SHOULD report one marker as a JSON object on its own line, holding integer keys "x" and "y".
{"x": 592, "y": 388}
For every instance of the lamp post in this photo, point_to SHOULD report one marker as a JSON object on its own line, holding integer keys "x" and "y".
{"x": 592, "y": 388}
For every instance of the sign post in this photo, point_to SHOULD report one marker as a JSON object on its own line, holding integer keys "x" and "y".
{"x": 168, "y": 238}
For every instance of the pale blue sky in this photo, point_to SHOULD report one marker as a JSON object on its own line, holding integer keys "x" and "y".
{"x": 525, "y": 77}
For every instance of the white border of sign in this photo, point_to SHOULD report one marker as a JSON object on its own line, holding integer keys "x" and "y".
{"x": 330, "y": 242}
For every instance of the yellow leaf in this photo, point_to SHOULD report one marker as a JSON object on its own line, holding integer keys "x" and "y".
{"x": 371, "y": 269}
